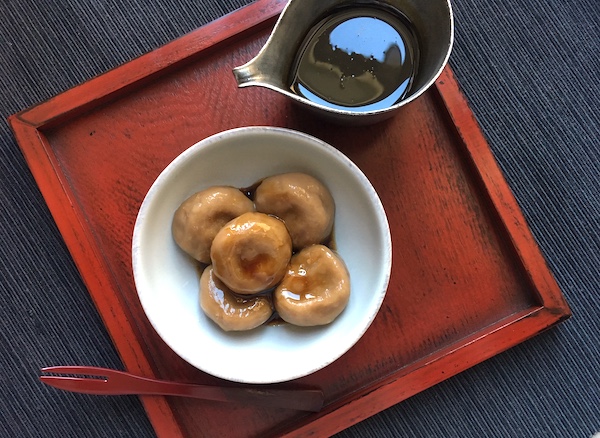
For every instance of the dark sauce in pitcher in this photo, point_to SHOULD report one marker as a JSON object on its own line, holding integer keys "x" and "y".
{"x": 358, "y": 59}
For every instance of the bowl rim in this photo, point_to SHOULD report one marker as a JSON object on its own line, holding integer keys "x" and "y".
{"x": 243, "y": 132}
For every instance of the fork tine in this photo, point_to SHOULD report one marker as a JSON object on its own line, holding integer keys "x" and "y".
{"x": 76, "y": 384}
{"x": 92, "y": 380}
{"x": 86, "y": 385}
{"x": 88, "y": 371}
{"x": 83, "y": 370}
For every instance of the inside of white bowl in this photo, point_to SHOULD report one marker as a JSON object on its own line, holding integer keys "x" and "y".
{"x": 167, "y": 279}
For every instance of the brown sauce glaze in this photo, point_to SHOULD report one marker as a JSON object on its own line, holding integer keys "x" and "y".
{"x": 257, "y": 262}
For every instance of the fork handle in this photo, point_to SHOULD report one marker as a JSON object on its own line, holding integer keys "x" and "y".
{"x": 301, "y": 399}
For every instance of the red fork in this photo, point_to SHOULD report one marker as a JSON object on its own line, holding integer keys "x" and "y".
{"x": 103, "y": 381}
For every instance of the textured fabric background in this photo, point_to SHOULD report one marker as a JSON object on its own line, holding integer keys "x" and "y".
{"x": 530, "y": 69}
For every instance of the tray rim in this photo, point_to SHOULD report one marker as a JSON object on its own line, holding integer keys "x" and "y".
{"x": 28, "y": 127}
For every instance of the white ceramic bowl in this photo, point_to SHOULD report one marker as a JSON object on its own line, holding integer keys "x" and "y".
{"x": 167, "y": 280}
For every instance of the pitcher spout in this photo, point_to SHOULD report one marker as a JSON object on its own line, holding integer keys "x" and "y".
{"x": 260, "y": 71}
{"x": 246, "y": 74}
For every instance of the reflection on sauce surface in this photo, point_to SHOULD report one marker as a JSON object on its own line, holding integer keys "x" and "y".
{"x": 359, "y": 59}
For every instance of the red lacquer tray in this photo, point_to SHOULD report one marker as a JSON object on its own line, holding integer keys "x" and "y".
{"x": 468, "y": 279}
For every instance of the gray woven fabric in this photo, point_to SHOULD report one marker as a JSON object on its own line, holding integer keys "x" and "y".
{"x": 530, "y": 69}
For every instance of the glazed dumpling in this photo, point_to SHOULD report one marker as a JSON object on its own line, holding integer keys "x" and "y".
{"x": 199, "y": 218}
{"x": 229, "y": 311}
{"x": 250, "y": 253}
{"x": 316, "y": 288}
{"x": 302, "y": 202}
